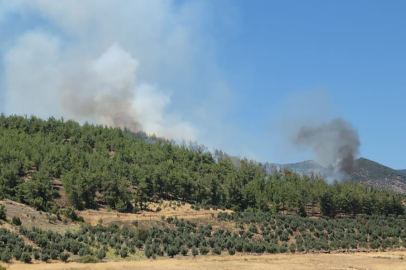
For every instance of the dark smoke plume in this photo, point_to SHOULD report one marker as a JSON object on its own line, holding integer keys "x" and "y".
{"x": 335, "y": 143}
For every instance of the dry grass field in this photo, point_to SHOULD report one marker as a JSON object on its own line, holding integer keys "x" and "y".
{"x": 33, "y": 218}
{"x": 151, "y": 215}
{"x": 359, "y": 261}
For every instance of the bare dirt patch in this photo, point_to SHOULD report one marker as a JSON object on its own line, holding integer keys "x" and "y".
{"x": 392, "y": 260}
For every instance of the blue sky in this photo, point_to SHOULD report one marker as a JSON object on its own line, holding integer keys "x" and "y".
{"x": 353, "y": 49}
{"x": 233, "y": 70}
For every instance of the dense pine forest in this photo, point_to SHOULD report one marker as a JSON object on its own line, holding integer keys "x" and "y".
{"x": 110, "y": 167}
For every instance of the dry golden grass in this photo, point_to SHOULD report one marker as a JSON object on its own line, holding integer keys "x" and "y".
{"x": 33, "y": 218}
{"x": 376, "y": 261}
{"x": 183, "y": 211}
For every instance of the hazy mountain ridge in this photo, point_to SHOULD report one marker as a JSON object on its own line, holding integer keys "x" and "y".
{"x": 366, "y": 171}
{"x": 307, "y": 167}
{"x": 380, "y": 176}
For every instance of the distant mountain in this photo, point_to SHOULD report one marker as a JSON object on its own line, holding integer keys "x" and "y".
{"x": 307, "y": 167}
{"x": 380, "y": 176}
{"x": 366, "y": 171}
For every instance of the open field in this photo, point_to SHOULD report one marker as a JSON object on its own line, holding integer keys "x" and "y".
{"x": 364, "y": 261}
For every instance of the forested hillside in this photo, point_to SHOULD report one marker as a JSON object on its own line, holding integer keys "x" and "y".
{"x": 366, "y": 171}
{"x": 102, "y": 166}
{"x": 379, "y": 176}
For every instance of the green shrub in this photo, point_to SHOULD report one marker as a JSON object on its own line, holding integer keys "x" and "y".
{"x": 121, "y": 206}
{"x": 284, "y": 237}
{"x": 26, "y": 257}
{"x": 36, "y": 255}
{"x": 292, "y": 247}
{"x": 70, "y": 213}
{"x": 216, "y": 250}
{"x": 3, "y": 213}
{"x": 159, "y": 252}
{"x": 16, "y": 221}
{"x": 54, "y": 254}
{"x": 247, "y": 247}
{"x": 5, "y": 256}
{"x": 124, "y": 252}
{"x": 172, "y": 251}
{"x": 231, "y": 251}
{"x": 239, "y": 245}
{"x": 139, "y": 244}
{"x": 87, "y": 259}
{"x": 374, "y": 244}
{"x": 184, "y": 250}
{"x": 132, "y": 250}
{"x": 136, "y": 209}
{"x": 169, "y": 220}
{"x": 142, "y": 234}
{"x": 64, "y": 256}
{"x": 259, "y": 248}
{"x": 203, "y": 250}
{"x": 283, "y": 248}
{"x": 149, "y": 253}
{"x": 253, "y": 229}
{"x": 300, "y": 248}
{"x": 44, "y": 257}
{"x": 195, "y": 251}
{"x": 101, "y": 254}
{"x": 17, "y": 253}
{"x": 272, "y": 248}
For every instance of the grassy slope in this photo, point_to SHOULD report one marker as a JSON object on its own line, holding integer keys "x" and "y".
{"x": 33, "y": 218}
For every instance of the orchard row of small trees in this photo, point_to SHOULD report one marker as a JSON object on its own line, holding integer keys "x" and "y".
{"x": 253, "y": 233}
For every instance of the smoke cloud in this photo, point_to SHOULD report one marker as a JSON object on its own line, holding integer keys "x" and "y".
{"x": 336, "y": 143}
{"x": 105, "y": 90}
{"x": 106, "y": 62}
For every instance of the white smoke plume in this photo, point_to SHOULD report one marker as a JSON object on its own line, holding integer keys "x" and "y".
{"x": 100, "y": 61}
